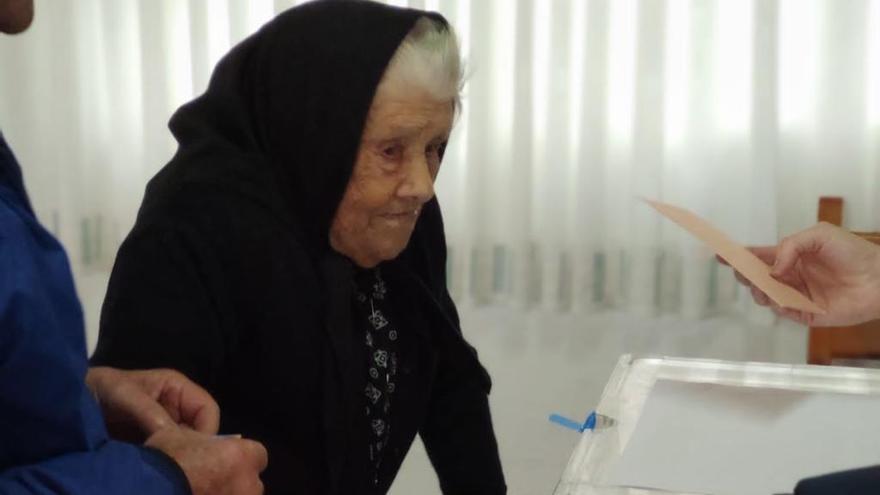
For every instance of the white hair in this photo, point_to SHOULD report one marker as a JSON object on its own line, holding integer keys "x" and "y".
{"x": 427, "y": 59}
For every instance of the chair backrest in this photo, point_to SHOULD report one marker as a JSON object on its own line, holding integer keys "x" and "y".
{"x": 845, "y": 343}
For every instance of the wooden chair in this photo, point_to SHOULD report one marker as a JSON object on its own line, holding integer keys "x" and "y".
{"x": 859, "y": 342}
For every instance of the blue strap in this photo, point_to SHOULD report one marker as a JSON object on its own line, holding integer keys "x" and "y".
{"x": 588, "y": 424}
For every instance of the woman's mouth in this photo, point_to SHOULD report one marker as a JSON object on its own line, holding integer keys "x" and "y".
{"x": 403, "y": 214}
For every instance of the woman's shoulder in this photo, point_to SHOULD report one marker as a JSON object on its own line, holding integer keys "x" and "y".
{"x": 216, "y": 225}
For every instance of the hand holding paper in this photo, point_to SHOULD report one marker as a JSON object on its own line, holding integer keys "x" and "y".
{"x": 840, "y": 271}
{"x": 741, "y": 259}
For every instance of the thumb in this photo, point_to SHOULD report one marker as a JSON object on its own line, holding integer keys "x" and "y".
{"x": 793, "y": 247}
{"x": 767, "y": 254}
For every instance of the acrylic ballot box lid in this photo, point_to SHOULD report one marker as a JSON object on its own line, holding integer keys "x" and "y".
{"x": 630, "y": 385}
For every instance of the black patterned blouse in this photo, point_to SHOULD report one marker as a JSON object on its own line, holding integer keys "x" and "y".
{"x": 382, "y": 346}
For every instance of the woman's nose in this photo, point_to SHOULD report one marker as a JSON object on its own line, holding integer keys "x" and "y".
{"x": 419, "y": 183}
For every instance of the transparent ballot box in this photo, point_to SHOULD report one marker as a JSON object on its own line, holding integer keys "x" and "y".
{"x": 633, "y": 379}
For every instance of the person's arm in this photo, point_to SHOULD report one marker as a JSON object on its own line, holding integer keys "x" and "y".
{"x": 458, "y": 433}
{"x": 176, "y": 461}
{"x": 864, "y": 480}
{"x": 115, "y": 467}
{"x": 159, "y": 310}
{"x": 836, "y": 269}
{"x": 52, "y": 436}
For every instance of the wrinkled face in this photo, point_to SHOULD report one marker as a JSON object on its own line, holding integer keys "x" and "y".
{"x": 397, "y": 162}
{"x": 15, "y": 15}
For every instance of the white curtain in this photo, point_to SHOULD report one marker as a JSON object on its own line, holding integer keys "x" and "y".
{"x": 745, "y": 111}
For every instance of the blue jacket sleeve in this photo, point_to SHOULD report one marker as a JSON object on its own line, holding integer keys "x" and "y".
{"x": 856, "y": 481}
{"x": 52, "y": 435}
{"x": 114, "y": 468}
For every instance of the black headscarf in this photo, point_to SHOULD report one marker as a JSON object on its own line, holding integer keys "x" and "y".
{"x": 289, "y": 104}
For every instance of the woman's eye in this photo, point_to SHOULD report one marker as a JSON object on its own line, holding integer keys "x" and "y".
{"x": 436, "y": 149}
{"x": 433, "y": 149}
{"x": 393, "y": 152}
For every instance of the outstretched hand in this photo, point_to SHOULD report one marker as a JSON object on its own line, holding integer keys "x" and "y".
{"x": 836, "y": 269}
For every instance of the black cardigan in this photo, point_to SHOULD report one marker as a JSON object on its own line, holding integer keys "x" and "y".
{"x": 227, "y": 275}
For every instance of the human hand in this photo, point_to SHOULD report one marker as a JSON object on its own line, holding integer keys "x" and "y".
{"x": 213, "y": 465}
{"x": 836, "y": 269}
{"x": 137, "y": 404}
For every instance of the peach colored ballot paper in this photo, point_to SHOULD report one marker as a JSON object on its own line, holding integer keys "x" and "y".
{"x": 740, "y": 258}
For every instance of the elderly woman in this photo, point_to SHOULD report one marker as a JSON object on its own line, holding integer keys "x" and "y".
{"x": 290, "y": 257}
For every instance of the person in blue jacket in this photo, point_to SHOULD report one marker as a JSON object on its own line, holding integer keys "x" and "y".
{"x": 53, "y": 437}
